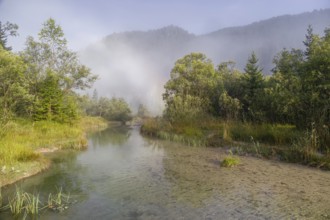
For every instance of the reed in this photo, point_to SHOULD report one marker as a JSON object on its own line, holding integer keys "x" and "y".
{"x": 17, "y": 203}
{"x": 58, "y": 201}
{"x": 23, "y": 204}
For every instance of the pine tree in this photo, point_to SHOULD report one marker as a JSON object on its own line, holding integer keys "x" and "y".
{"x": 253, "y": 82}
{"x": 49, "y": 100}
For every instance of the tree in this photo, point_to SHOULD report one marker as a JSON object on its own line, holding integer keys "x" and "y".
{"x": 48, "y": 105}
{"x": 13, "y": 87}
{"x": 229, "y": 107}
{"x": 232, "y": 79}
{"x": 51, "y": 52}
{"x": 285, "y": 87}
{"x": 253, "y": 84}
{"x": 302, "y": 86}
{"x": 230, "y": 104}
{"x": 6, "y": 30}
{"x": 192, "y": 78}
{"x": 50, "y": 62}
{"x": 119, "y": 111}
{"x": 308, "y": 40}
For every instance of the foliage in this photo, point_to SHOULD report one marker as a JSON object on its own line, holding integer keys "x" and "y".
{"x": 51, "y": 53}
{"x": 229, "y": 107}
{"x": 114, "y": 109}
{"x": 53, "y": 75}
{"x": 12, "y": 84}
{"x": 7, "y": 29}
{"x": 302, "y": 88}
{"x": 193, "y": 87}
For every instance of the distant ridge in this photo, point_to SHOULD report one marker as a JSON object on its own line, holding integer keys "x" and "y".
{"x": 142, "y": 60}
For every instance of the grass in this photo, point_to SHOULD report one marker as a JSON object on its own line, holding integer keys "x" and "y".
{"x": 273, "y": 141}
{"x": 22, "y": 141}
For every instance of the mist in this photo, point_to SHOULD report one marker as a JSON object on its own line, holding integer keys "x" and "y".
{"x": 126, "y": 73}
{"x": 135, "y": 65}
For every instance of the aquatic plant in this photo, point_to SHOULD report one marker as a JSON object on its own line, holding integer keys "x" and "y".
{"x": 17, "y": 203}
{"x": 24, "y": 204}
{"x": 32, "y": 203}
{"x": 59, "y": 201}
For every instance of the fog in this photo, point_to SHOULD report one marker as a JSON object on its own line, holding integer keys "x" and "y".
{"x": 125, "y": 73}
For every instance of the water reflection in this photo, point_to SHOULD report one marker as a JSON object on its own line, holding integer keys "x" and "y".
{"x": 115, "y": 136}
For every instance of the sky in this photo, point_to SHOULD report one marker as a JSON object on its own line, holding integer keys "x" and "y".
{"x": 88, "y": 21}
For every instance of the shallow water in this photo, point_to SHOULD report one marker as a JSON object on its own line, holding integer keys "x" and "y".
{"x": 123, "y": 175}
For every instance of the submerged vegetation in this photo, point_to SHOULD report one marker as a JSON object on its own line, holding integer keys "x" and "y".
{"x": 284, "y": 116}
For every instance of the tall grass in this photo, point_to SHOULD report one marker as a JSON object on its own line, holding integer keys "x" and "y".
{"x": 228, "y": 131}
{"x": 184, "y": 133}
{"x": 20, "y": 143}
{"x": 279, "y": 141}
{"x": 23, "y": 137}
{"x": 275, "y": 134}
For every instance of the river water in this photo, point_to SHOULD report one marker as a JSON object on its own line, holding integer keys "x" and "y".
{"x": 123, "y": 175}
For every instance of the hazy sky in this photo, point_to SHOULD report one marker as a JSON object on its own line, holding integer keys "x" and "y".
{"x": 87, "y": 21}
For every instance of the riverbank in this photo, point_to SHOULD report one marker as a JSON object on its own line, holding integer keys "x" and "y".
{"x": 277, "y": 142}
{"x": 23, "y": 143}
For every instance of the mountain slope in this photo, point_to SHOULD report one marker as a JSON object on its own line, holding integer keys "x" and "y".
{"x": 135, "y": 65}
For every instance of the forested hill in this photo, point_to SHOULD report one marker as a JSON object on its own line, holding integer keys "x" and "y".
{"x": 266, "y": 38}
{"x": 141, "y": 61}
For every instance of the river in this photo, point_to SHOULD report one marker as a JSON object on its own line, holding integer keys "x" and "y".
{"x": 123, "y": 175}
